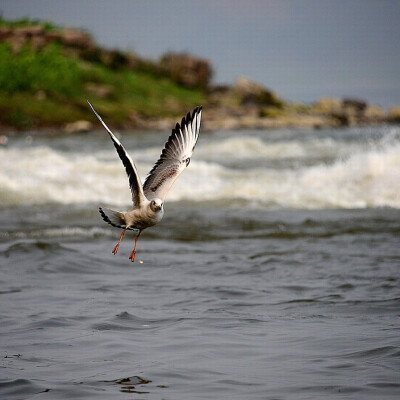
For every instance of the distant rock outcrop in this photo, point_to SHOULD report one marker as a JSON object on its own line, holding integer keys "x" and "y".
{"x": 187, "y": 70}
{"x": 250, "y": 92}
{"x": 349, "y": 111}
{"x": 38, "y": 37}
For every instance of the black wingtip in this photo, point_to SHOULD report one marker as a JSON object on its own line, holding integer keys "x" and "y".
{"x": 196, "y": 111}
{"x": 189, "y": 118}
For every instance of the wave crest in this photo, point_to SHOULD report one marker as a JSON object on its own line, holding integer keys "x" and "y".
{"x": 364, "y": 176}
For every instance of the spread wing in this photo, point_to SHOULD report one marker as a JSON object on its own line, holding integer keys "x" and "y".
{"x": 175, "y": 156}
{"x": 134, "y": 180}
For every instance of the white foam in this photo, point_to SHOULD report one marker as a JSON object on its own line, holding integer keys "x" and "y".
{"x": 39, "y": 175}
{"x": 364, "y": 175}
{"x": 368, "y": 178}
{"x": 253, "y": 147}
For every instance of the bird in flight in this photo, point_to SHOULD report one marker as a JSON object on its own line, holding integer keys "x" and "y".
{"x": 148, "y": 199}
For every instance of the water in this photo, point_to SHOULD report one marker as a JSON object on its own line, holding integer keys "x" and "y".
{"x": 275, "y": 273}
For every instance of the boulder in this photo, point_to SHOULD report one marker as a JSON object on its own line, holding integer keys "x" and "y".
{"x": 253, "y": 93}
{"x": 187, "y": 70}
{"x": 354, "y": 105}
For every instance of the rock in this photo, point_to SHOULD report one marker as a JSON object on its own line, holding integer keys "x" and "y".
{"x": 353, "y": 111}
{"x": 29, "y": 31}
{"x": 38, "y": 37}
{"x": 245, "y": 85}
{"x": 17, "y": 37}
{"x": 38, "y": 42}
{"x": 253, "y": 93}
{"x": 328, "y": 105}
{"x": 99, "y": 90}
{"x": 394, "y": 115}
{"x": 71, "y": 37}
{"x": 187, "y": 70}
{"x": 78, "y": 126}
{"x": 374, "y": 114}
{"x": 347, "y": 112}
{"x": 5, "y": 32}
{"x": 354, "y": 105}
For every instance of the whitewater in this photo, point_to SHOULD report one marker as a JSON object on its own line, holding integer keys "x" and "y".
{"x": 355, "y": 168}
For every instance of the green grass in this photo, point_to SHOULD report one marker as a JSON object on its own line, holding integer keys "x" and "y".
{"x": 31, "y": 71}
{"x": 49, "y": 87}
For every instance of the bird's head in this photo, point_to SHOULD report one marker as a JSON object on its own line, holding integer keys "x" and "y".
{"x": 156, "y": 205}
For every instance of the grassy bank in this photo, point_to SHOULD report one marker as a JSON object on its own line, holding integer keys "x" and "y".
{"x": 49, "y": 87}
{"x": 47, "y": 73}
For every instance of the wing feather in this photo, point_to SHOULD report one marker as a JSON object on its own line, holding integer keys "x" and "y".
{"x": 174, "y": 157}
{"x": 134, "y": 180}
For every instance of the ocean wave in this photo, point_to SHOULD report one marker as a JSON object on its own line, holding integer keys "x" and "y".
{"x": 360, "y": 175}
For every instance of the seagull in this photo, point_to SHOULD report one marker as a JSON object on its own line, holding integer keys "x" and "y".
{"x": 148, "y": 199}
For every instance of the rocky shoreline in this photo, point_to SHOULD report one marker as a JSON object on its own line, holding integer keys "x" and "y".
{"x": 242, "y": 105}
{"x": 236, "y": 107}
{"x": 325, "y": 113}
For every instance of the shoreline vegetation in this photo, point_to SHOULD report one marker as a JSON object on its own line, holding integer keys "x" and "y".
{"x": 48, "y": 72}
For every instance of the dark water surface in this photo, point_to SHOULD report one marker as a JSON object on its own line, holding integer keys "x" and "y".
{"x": 275, "y": 304}
{"x": 229, "y": 298}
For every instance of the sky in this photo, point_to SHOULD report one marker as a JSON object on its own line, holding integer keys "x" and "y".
{"x": 303, "y": 50}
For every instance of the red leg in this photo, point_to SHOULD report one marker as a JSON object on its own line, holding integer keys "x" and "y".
{"x": 132, "y": 256}
{"x": 115, "y": 249}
